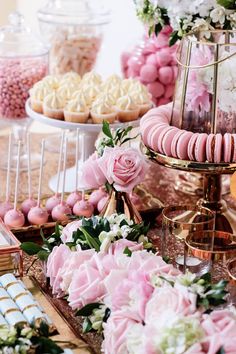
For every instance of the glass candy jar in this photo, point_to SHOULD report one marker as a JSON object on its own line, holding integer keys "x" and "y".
{"x": 73, "y": 28}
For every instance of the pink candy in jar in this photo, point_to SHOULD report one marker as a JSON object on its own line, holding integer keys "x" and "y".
{"x": 153, "y": 63}
{"x": 17, "y": 76}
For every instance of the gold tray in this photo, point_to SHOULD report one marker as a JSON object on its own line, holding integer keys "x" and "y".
{"x": 64, "y": 329}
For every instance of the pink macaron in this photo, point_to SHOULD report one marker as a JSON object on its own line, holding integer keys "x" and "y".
{"x": 200, "y": 147}
{"x": 233, "y": 159}
{"x": 218, "y": 148}
{"x": 146, "y": 131}
{"x": 191, "y": 146}
{"x": 161, "y": 136}
{"x": 167, "y": 140}
{"x": 210, "y": 146}
{"x": 175, "y": 142}
{"x": 182, "y": 145}
{"x": 154, "y": 136}
{"x": 227, "y": 147}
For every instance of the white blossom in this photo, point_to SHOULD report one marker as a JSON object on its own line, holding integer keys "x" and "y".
{"x": 218, "y": 15}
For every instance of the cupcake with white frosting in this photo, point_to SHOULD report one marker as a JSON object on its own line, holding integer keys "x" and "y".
{"x": 71, "y": 77}
{"x": 101, "y": 111}
{"x": 76, "y": 111}
{"x": 53, "y": 106}
{"x": 37, "y": 94}
{"x": 52, "y": 81}
{"x": 91, "y": 92}
{"x": 141, "y": 97}
{"x": 67, "y": 89}
{"x": 127, "y": 109}
{"x": 91, "y": 78}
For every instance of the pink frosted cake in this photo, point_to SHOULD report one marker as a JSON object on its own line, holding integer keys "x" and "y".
{"x": 160, "y": 136}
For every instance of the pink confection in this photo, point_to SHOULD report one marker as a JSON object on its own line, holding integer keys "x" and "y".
{"x": 175, "y": 142}
{"x": 156, "y": 89}
{"x": 38, "y": 215}
{"x": 27, "y": 205}
{"x": 161, "y": 136}
{"x": 132, "y": 73}
{"x": 16, "y": 78}
{"x": 227, "y": 147}
{"x": 191, "y": 147}
{"x": 96, "y": 196}
{"x": 60, "y": 212}
{"x": 136, "y": 63}
{"x": 167, "y": 140}
{"x": 218, "y": 148}
{"x": 83, "y": 208}
{"x": 14, "y": 218}
{"x": 151, "y": 59}
{"x": 163, "y": 58}
{"x": 210, "y": 146}
{"x": 52, "y": 202}
{"x": 153, "y": 137}
{"x": 149, "y": 47}
{"x": 162, "y": 40}
{"x": 5, "y": 207}
{"x": 182, "y": 145}
{"x": 200, "y": 147}
{"x": 148, "y": 73}
{"x": 102, "y": 203}
{"x": 169, "y": 91}
{"x": 163, "y": 101}
{"x": 73, "y": 198}
{"x": 234, "y": 148}
{"x": 166, "y": 75}
{"x": 148, "y": 132}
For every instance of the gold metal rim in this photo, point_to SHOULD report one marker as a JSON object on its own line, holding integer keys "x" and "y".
{"x": 230, "y": 265}
{"x": 200, "y": 209}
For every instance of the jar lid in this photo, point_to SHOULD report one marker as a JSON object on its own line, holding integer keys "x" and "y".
{"x": 17, "y": 40}
{"x": 75, "y": 12}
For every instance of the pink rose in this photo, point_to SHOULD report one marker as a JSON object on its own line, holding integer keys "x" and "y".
{"x": 115, "y": 334}
{"x": 125, "y": 167}
{"x": 120, "y": 245}
{"x": 68, "y": 230}
{"x": 92, "y": 176}
{"x": 166, "y": 302}
{"x": 220, "y": 329}
{"x": 55, "y": 262}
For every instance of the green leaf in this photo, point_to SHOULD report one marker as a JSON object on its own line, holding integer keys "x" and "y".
{"x": 166, "y": 259}
{"x": 87, "y": 310}
{"x": 173, "y": 38}
{"x": 106, "y": 129}
{"x": 31, "y": 248}
{"x": 228, "y": 4}
{"x": 206, "y": 277}
{"x": 127, "y": 252}
{"x": 221, "y": 351}
{"x": 92, "y": 242}
{"x": 44, "y": 329}
{"x": 87, "y": 325}
{"x": 43, "y": 255}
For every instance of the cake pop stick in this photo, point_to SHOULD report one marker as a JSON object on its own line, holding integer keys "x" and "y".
{"x": 14, "y": 217}
{"x": 75, "y": 196}
{"x": 30, "y": 202}
{"x": 39, "y": 215}
{"x": 83, "y": 207}
{"x": 55, "y": 199}
{"x": 60, "y": 212}
{"x": 7, "y": 205}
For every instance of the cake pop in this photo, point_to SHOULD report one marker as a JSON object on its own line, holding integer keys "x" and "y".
{"x": 60, "y": 212}
{"x": 96, "y": 196}
{"x": 83, "y": 207}
{"x": 14, "y": 217}
{"x": 75, "y": 196}
{"x": 7, "y": 205}
{"x": 56, "y": 199}
{"x": 30, "y": 202}
{"x": 101, "y": 204}
{"x": 39, "y": 215}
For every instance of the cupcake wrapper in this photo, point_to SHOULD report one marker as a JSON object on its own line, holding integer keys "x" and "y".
{"x": 144, "y": 108}
{"x": 128, "y": 116}
{"x": 76, "y": 117}
{"x": 53, "y": 113}
{"x": 99, "y": 118}
{"x": 36, "y": 106}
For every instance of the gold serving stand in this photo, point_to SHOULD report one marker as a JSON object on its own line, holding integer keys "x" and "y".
{"x": 212, "y": 185}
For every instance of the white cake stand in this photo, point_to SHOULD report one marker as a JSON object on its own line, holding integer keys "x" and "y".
{"x": 90, "y": 131}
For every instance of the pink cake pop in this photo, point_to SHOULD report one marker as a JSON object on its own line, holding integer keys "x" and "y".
{"x": 56, "y": 199}
{"x": 30, "y": 202}
{"x": 96, "y": 196}
{"x": 39, "y": 215}
{"x": 7, "y": 205}
{"x": 75, "y": 196}
{"x": 102, "y": 202}
{"x": 14, "y": 217}
{"x": 60, "y": 212}
{"x": 83, "y": 207}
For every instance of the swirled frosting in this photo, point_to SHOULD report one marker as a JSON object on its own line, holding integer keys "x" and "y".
{"x": 127, "y": 83}
{"x": 102, "y": 107}
{"x": 91, "y": 92}
{"x": 39, "y": 91}
{"x": 67, "y": 90}
{"x": 126, "y": 103}
{"x": 52, "y": 81}
{"x": 71, "y": 77}
{"x": 80, "y": 96}
{"x": 91, "y": 78}
{"x": 140, "y": 97}
{"x": 54, "y": 101}
{"x": 107, "y": 97}
{"x": 76, "y": 106}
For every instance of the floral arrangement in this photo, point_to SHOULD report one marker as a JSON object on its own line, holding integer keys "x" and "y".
{"x": 120, "y": 168}
{"x": 140, "y": 303}
{"x": 185, "y": 16}
{"x": 27, "y": 339}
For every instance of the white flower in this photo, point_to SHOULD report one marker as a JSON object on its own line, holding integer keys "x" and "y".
{"x": 218, "y": 15}
{"x": 156, "y": 281}
{"x": 125, "y": 230}
{"x": 97, "y": 318}
{"x": 186, "y": 279}
{"x": 202, "y": 25}
{"x": 106, "y": 238}
{"x": 135, "y": 337}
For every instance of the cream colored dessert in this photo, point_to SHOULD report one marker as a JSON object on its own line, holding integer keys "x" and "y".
{"x": 71, "y": 76}
{"x": 127, "y": 109}
{"x": 37, "y": 95}
{"x": 111, "y": 82}
{"x": 91, "y": 92}
{"x": 66, "y": 90}
{"x": 141, "y": 97}
{"x": 91, "y": 78}
{"x": 126, "y": 84}
{"x": 101, "y": 111}
{"x": 106, "y": 97}
{"x": 76, "y": 111}
{"x": 52, "y": 81}
{"x": 53, "y": 105}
